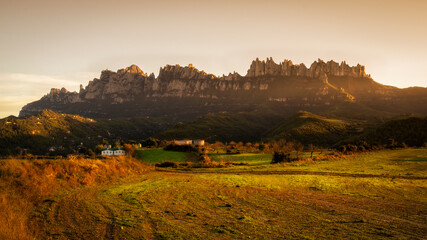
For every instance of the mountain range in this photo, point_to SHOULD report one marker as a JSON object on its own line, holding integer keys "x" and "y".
{"x": 183, "y": 93}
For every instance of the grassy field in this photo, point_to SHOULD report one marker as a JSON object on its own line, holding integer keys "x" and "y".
{"x": 156, "y": 155}
{"x": 370, "y": 201}
{"x": 405, "y": 162}
{"x": 252, "y": 159}
{"x": 249, "y": 158}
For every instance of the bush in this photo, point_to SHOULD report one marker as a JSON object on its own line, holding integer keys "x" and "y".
{"x": 150, "y": 142}
{"x": 167, "y": 164}
{"x": 204, "y": 158}
{"x": 351, "y": 148}
{"x": 279, "y": 157}
{"x": 130, "y": 149}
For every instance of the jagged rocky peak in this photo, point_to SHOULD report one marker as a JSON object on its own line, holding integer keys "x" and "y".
{"x": 335, "y": 69}
{"x": 231, "y": 76}
{"x": 128, "y": 74}
{"x": 54, "y": 96}
{"x": 170, "y": 72}
{"x": 132, "y": 69}
{"x": 268, "y": 67}
{"x": 116, "y": 86}
{"x": 57, "y": 91}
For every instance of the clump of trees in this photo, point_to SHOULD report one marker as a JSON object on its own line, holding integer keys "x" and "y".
{"x": 286, "y": 151}
{"x": 153, "y": 143}
{"x": 238, "y": 147}
{"x": 279, "y": 157}
{"x": 363, "y": 146}
{"x": 181, "y": 148}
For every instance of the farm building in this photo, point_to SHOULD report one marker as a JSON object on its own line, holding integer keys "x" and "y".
{"x": 197, "y": 142}
{"x": 113, "y": 152}
{"x": 182, "y": 142}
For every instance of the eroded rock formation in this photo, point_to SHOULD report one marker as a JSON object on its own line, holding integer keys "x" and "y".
{"x": 318, "y": 68}
{"x": 178, "y": 89}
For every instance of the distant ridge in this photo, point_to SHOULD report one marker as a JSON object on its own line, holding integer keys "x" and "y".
{"x": 185, "y": 92}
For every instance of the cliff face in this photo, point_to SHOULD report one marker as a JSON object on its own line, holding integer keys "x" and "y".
{"x": 186, "y": 90}
{"x": 317, "y": 69}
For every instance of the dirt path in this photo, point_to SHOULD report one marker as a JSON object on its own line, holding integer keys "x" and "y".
{"x": 111, "y": 226}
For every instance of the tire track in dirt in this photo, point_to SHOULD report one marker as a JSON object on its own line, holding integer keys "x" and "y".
{"x": 377, "y": 216}
{"x": 291, "y": 172}
{"x": 64, "y": 214}
{"x": 111, "y": 226}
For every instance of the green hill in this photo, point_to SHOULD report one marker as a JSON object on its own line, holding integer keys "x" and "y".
{"x": 309, "y": 128}
{"x": 57, "y": 133}
{"x": 409, "y": 130}
{"x": 223, "y": 127}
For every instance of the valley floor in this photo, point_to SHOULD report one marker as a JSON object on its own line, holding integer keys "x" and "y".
{"x": 327, "y": 200}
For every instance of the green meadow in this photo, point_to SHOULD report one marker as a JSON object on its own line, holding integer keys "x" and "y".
{"x": 157, "y": 155}
{"x": 247, "y": 158}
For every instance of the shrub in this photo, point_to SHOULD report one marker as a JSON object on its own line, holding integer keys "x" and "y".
{"x": 279, "y": 157}
{"x": 342, "y": 148}
{"x": 130, "y": 149}
{"x": 167, "y": 164}
{"x": 351, "y": 148}
{"x": 204, "y": 158}
{"x": 150, "y": 142}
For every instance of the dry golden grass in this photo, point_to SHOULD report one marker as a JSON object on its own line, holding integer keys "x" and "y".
{"x": 24, "y": 184}
{"x": 183, "y": 205}
{"x": 377, "y": 195}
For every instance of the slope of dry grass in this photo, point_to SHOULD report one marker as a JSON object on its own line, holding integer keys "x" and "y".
{"x": 25, "y": 184}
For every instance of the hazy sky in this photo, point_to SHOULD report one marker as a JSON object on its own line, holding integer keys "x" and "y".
{"x": 65, "y": 43}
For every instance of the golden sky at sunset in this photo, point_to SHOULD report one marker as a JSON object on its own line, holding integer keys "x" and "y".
{"x": 64, "y": 43}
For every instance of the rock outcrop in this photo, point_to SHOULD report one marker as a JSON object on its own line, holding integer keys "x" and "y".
{"x": 318, "y": 68}
{"x": 189, "y": 91}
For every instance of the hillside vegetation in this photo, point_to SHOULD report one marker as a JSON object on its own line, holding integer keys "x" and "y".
{"x": 57, "y": 133}
{"x": 51, "y": 133}
{"x": 411, "y": 131}
{"x": 396, "y": 133}
{"x": 223, "y": 127}
{"x": 309, "y": 128}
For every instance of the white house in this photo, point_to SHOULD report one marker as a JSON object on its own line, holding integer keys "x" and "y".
{"x": 113, "y": 152}
{"x": 119, "y": 152}
{"x": 107, "y": 152}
